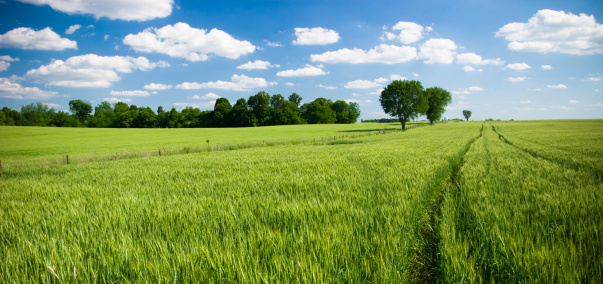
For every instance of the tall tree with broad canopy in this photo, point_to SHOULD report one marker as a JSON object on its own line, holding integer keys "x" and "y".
{"x": 405, "y": 100}
{"x": 80, "y": 109}
{"x": 295, "y": 98}
{"x": 222, "y": 113}
{"x": 467, "y": 114}
{"x": 437, "y": 99}
{"x": 260, "y": 106}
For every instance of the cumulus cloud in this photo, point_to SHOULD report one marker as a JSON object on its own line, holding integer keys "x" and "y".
{"x": 90, "y": 70}
{"x": 546, "y": 67}
{"x": 438, "y": 50}
{"x": 129, "y": 10}
{"x": 467, "y": 91}
{"x": 72, "y": 29}
{"x": 4, "y": 65}
{"x": 136, "y": 93}
{"x": 474, "y": 59}
{"x": 361, "y": 84}
{"x": 326, "y": 87}
{"x": 595, "y": 79}
{"x": 237, "y": 83}
{"x": 572, "y": 101}
{"x": 289, "y": 84}
{"x": 409, "y": 32}
{"x": 9, "y": 89}
{"x": 258, "y": 64}
{"x": 386, "y": 54}
{"x": 519, "y": 66}
{"x": 516, "y": 79}
{"x": 114, "y": 100}
{"x": 273, "y": 44}
{"x": 525, "y": 102}
{"x": 315, "y": 36}
{"x": 555, "y": 31}
{"x": 27, "y": 38}
{"x": 183, "y": 41}
{"x": 154, "y": 86}
{"x": 558, "y": 86}
{"x": 309, "y": 70}
{"x": 352, "y": 101}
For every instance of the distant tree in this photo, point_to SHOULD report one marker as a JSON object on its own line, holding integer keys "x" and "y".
{"x": 2, "y": 118}
{"x": 404, "y": 99}
{"x": 173, "y": 120}
{"x": 80, "y": 109}
{"x": 276, "y": 101}
{"x": 145, "y": 118}
{"x": 354, "y": 112}
{"x": 467, "y": 114}
{"x": 63, "y": 119}
{"x": 13, "y": 117}
{"x": 287, "y": 114}
{"x": 319, "y": 112}
{"x": 37, "y": 114}
{"x": 160, "y": 110}
{"x": 241, "y": 115}
{"x": 295, "y": 98}
{"x": 222, "y": 116}
{"x": 190, "y": 117}
{"x": 437, "y": 99}
{"x": 260, "y": 106}
{"x": 103, "y": 116}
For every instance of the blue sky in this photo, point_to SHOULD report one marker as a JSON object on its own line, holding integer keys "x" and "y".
{"x": 499, "y": 59}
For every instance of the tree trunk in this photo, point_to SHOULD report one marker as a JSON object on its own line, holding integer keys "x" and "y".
{"x": 403, "y": 123}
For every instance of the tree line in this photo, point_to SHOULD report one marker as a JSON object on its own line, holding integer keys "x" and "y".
{"x": 260, "y": 109}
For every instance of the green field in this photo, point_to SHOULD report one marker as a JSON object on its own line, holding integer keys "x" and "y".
{"x": 457, "y": 202}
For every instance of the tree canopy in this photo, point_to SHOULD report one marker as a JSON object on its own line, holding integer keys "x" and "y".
{"x": 405, "y": 100}
{"x": 437, "y": 99}
{"x": 467, "y": 114}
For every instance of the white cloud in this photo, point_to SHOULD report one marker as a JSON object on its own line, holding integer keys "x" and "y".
{"x": 595, "y": 79}
{"x": 309, "y": 70}
{"x": 210, "y": 96}
{"x": 258, "y": 64}
{"x": 27, "y": 38}
{"x": 181, "y": 40}
{"x": 525, "y": 102}
{"x": 273, "y": 44}
{"x": 558, "y": 86}
{"x": 468, "y": 69}
{"x": 467, "y": 91}
{"x": 361, "y": 84}
{"x": 386, "y": 54}
{"x": 377, "y": 92}
{"x": 474, "y": 59}
{"x": 72, "y": 29}
{"x": 106, "y": 37}
{"x": 129, "y": 10}
{"x": 154, "y": 86}
{"x": 555, "y": 31}
{"x": 546, "y": 67}
{"x": 4, "y": 65}
{"x": 573, "y": 101}
{"x": 136, "y": 93}
{"x": 289, "y": 84}
{"x": 8, "y": 58}
{"x": 409, "y": 32}
{"x": 326, "y": 87}
{"x": 116, "y": 100}
{"x": 90, "y": 70}
{"x": 394, "y": 77}
{"x": 315, "y": 36}
{"x": 560, "y": 107}
{"x": 438, "y": 50}
{"x": 368, "y": 101}
{"x": 356, "y": 95}
{"x": 9, "y": 89}
{"x": 352, "y": 101}
{"x": 519, "y": 66}
{"x": 238, "y": 83}
{"x": 415, "y": 74}
{"x": 516, "y": 79}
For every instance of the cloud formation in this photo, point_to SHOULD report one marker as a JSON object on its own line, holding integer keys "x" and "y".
{"x": 238, "y": 83}
{"x": 27, "y": 38}
{"x": 438, "y": 50}
{"x": 555, "y": 31}
{"x": 384, "y": 53}
{"x": 519, "y": 66}
{"x": 409, "y": 32}
{"x": 184, "y": 41}
{"x": 154, "y": 86}
{"x": 72, "y": 29}
{"x": 90, "y": 70}
{"x": 9, "y": 89}
{"x": 309, "y": 70}
{"x": 136, "y": 93}
{"x": 258, "y": 64}
{"x": 315, "y": 36}
{"x": 129, "y": 10}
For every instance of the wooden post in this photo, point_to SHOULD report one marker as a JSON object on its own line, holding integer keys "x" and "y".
{"x": 159, "y": 152}
{"x": 0, "y": 165}
{"x": 67, "y": 156}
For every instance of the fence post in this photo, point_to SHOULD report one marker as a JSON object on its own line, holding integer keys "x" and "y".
{"x": 67, "y": 156}
{"x": 159, "y": 152}
{"x": 0, "y": 165}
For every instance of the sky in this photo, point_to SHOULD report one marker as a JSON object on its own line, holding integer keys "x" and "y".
{"x": 510, "y": 59}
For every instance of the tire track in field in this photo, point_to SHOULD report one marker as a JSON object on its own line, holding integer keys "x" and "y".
{"x": 425, "y": 262}
{"x": 598, "y": 175}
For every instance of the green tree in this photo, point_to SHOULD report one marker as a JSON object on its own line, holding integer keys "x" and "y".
{"x": 63, "y": 119}
{"x": 37, "y": 114}
{"x": 13, "y": 117}
{"x": 437, "y": 99}
{"x": 241, "y": 115}
{"x": 103, "y": 115}
{"x": 145, "y": 118}
{"x": 80, "y": 109}
{"x": 260, "y": 106}
{"x": 295, "y": 98}
{"x": 354, "y": 112}
{"x": 319, "y": 112}
{"x": 222, "y": 115}
{"x": 467, "y": 114}
{"x": 276, "y": 101}
{"x": 404, "y": 99}
{"x": 2, "y": 118}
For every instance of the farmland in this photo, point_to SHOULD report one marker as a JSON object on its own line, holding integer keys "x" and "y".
{"x": 455, "y": 202}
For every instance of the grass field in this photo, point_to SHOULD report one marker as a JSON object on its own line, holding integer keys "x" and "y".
{"x": 456, "y": 202}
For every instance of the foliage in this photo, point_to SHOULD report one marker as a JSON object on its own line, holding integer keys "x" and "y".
{"x": 467, "y": 114}
{"x": 80, "y": 109}
{"x": 438, "y": 99}
{"x": 319, "y": 112}
{"x": 404, "y": 99}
